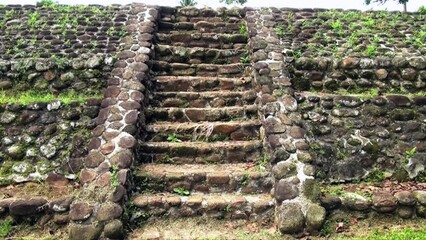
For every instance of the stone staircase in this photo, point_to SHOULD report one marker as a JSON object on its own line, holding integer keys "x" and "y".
{"x": 200, "y": 152}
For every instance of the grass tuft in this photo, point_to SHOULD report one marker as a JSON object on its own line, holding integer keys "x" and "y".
{"x": 32, "y": 96}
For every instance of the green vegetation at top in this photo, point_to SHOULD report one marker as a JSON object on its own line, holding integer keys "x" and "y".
{"x": 402, "y": 234}
{"x": 354, "y": 33}
{"x": 187, "y": 3}
{"x": 35, "y": 96}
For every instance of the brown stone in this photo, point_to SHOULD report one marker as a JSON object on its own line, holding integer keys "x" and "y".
{"x": 98, "y": 130}
{"x": 127, "y": 141}
{"x": 131, "y": 117}
{"x": 56, "y": 180}
{"x": 139, "y": 67}
{"x": 286, "y": 189}
{"x": 405, "y": 198}
{"x": 122, "y": 159}
{"x": 86, "y": 232}
{"x": 118, "y": 194}
{"x": 95, "y": 143}
{"x": 130, "y": 105}
{"x": 102, "y": 116}
{"x": 109, "y": 135}
{"x": 123, "y": 96}
{"x": 87, "y": 175}
{"x": 112, "y": 92}
{"x": 61, "y": 219}
{"x": 136, "y": 96}
{"x": 80, "y": 211}
{"x": 125, "y": 54}
{"x": 109, "y": 211}
{"x": 25, "y": 207}
{"x": 297, "y": 132}
{"x": 384, "y": 202}
{"x": 93, "y": 159}
{"x": 218, "y": 178}
{"x": 107, "y": 148}
{"x": 104, "y": 179}
{"x": 381, "y": 74}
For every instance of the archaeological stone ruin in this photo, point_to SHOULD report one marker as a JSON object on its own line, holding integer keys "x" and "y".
{"x": 112, "y": 116}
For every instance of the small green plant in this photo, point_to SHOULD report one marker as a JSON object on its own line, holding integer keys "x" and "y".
{"x": 243, "y": 29}
{"x": 422, "y": 10}
{"x": 187, "y": 3}
{"x": 173, "y": 138}
{"x": 376, "y": 175}
{"x": 33, "y": 20}
{"x": 279, "y": 30}
{"x": 245, "y": 59}
{"x": 408, "y": 154}
{"x": 369, "y": 22}
{"x": 371, "y": 50}
{"x": 245, "y": 180}
{"x": 181, "y": 191}
{"x": 46, "y": 3}
{"x": 115, "y": 182}
{"x": 5, "y": 227}
{"x": 228, "y": 208}
{"x": 297, "y": 54}
{"x": 337, "y": 25}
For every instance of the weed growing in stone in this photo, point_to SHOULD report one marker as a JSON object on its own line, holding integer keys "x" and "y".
{"x": 245, "y": 59}
{"x": 173, "y": 138}
{"x": 5, "y": 227}
{"x": 279, "y": 30}
{"x": 181, "y": 191}
{"x": 36, "y": 96}
{"x": 115, "y": 182}
{"x": 243, "y": 29}
{"x": 371, "y": 50}
{"x": 408, "y": 154}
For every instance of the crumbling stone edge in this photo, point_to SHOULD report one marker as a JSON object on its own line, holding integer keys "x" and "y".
{"x": 97, "y": 211}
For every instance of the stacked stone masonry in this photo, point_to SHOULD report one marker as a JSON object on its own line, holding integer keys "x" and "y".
{"x": 201, "y": 135}
{"x": 328, "y": 96}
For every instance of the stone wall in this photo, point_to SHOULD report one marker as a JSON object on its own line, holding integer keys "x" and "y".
{"x": 106, "y": 178}
{"x": 40, "y": 138}
{"x": 342, "y": 96}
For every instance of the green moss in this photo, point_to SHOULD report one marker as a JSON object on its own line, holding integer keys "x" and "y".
{"x": 26, "y": 97}
{"x": 376, "y": 175}
{"x": 311, "y": 190}
{"x": 44, "y": 167}
{"x": 23, "y": 168}
{"x": 6, "y": 168}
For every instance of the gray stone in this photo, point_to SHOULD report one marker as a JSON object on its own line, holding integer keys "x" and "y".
{"x": 48, "y": 150}
{"x": 355, "y": 202}
{"x": 405, "y": 198}
{"x": 109, "y": 211}
{"x": 26, "y": 207}
{"x": 16, "y": 151}
{"x": 85, "y": 232}
{"x": 286, "y": 189}
{"x": 315, "y": 217}
{"x": 384, "y": 202}
{"x": 80, "y": 211}
{"x": 7, "y": 117}
{"x": 284, "y": 170}
{"x": 289, "y": 218}
{"x": 94, "y": 62}
{"x": 114, "y": 230}
{"x": 420, "y": 196}
{"x": 405, "y": 212}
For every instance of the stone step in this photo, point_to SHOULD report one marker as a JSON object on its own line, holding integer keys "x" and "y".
{"x": 203, "y": 99}
{"x": 201, "y": 114}
{"x": 207, "y": 40}
{"x": 163, "y": 68}
{"x": 201, "y": 83}
{"x": 257, "y": 207}
{"x": 198, "y": 55}
{"x": 201, "y": 26}
{"x": 241, "y": 177}
{"x": 200, "y": 152}
{"x": 203, "y": 131}
{"x": 195, "y": 19}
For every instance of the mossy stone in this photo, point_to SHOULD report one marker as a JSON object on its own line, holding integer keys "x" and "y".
{"x": 311, "y": 190}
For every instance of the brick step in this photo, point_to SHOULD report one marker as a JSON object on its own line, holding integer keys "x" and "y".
{"x": 163, "y": 68}
{"x": 201, "y": 26}
{"x": 258, "y": 207}
{"x": 200, "y": 152}
{"x": 198, "y": 55}
{"x": 207, "y": 40}
{"x": 203, "y": 131}
{"x": 203, "y": 99}
{"x": 201, "y": 83}
{"x": 240, "y": 177}
{"x": 201, "y": 114}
